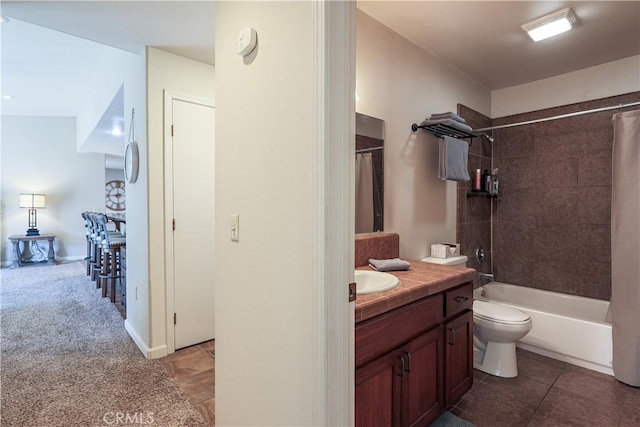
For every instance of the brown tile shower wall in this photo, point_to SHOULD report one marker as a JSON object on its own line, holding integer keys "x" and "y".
{"x": 376, "y": 246}
{"x": 473, "y": 217}
{"x": 552, "y": 218}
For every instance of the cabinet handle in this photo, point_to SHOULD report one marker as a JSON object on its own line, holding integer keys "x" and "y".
{"x": 402, "y": 368}
{"x": 452, "y": 340}
{"x": 461, "y": 299}
{"x": 408, "y": 369}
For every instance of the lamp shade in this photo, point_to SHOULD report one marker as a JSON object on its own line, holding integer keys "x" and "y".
{"x": 32, "y": 201}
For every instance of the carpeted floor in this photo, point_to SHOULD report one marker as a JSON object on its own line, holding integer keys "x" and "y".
{"x": 66, "y": 359}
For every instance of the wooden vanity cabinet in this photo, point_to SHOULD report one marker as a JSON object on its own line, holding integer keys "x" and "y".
{"x": 377, "y": 393}
{"x": 458, "y": 357}
{"x": 412, "y": 362}
{"x": 422, "y": 399}
{"x": 458, "y": 343}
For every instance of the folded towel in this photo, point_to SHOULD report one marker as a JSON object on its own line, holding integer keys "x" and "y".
{"x": 448, "y": 122}
{"x": 395, "y": 264}
{"x": 452, "y": 164}
{"x": 447, "y": 115}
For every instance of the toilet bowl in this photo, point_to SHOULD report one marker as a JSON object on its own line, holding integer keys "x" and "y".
{"x": 496, "y": 330}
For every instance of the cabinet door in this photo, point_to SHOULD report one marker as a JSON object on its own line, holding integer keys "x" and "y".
{"x": 423, "y": 387}
{"x": 459, "y": 357}
{"x": 377, "y": 393}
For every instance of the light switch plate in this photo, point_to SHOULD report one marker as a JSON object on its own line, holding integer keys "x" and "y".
{"x": 235, "y": 227}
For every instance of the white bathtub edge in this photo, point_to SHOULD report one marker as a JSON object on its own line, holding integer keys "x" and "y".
{"x": 565, "y": 358}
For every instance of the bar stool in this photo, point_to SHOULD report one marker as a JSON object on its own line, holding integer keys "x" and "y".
{"x": 110, "y": 247}
{"x": 95, "y": 262}
{"x": 96, "y": 246}
{"x": 87, "y": 235}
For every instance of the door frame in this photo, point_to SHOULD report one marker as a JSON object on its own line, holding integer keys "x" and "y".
{"x": 333, "y": 233}
{"x": 169, "y": 97}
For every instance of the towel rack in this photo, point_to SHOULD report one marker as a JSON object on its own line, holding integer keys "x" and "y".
{"x": 440, "y": 130}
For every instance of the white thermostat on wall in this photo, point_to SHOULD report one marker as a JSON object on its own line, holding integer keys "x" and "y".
{"x": 247, "y": 40}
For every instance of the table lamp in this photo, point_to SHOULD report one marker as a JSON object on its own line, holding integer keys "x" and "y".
{"x": 32, "y": 202}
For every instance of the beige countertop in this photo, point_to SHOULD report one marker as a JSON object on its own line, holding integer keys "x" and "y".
{"x": 420, "y": 281}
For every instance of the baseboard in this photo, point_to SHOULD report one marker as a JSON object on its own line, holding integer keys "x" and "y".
{"x": 59, "y": 259}
{"x": 149, "y": 353}
{"x": 69, "y": 258}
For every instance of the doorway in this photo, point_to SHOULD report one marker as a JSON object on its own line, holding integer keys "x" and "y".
{"x": 189, "y": 212}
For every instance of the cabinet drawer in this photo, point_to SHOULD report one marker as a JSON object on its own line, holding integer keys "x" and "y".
{"x": 458, "y": 300}
{"x": 383, "y": 333}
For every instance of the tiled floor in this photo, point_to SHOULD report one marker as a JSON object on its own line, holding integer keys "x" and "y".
{"x": 549, "y": 393}
{"x": 545, "y": 393}
{"x": 193, "y": 369}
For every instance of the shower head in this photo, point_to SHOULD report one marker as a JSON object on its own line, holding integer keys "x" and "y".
{"x": 489, "y": 137}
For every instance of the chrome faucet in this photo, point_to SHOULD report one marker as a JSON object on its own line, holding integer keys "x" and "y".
{"x": 485, "y": 277}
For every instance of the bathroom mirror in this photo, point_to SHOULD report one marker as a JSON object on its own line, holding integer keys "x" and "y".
{"x": 369, "y": 172}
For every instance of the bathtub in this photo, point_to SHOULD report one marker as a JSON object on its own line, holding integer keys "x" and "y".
{"x": 570, "y": 328}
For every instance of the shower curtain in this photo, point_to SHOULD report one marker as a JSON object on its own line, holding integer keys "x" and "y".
{"x": 364, "y": 193}
{"x": 625, "y": 247}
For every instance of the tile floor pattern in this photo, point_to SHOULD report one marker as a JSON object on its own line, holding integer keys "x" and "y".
{"x": 548, "y": 392}
{"x": 193, "y": 369}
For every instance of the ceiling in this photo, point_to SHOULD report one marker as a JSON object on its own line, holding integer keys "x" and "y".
{"x": 50, "y": 49}
{"x": 483, "y": 39}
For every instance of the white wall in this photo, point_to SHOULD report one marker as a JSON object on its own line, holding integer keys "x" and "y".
{"x": 264, "y": 152}
{"x": 133, "y": 73}
{"x": 39, "y": 155}
{"x": 113, "y": 69}
{"x": 402, "y": 84}
{"x": 601, "y": 81}
{"x": 113, "y": 174}
{"x": 165, "y": 71}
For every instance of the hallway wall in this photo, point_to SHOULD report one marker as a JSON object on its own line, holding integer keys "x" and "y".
{"x": 39, "y": 155}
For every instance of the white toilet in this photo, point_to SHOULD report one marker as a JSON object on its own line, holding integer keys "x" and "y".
{"x": 496, "y": 328}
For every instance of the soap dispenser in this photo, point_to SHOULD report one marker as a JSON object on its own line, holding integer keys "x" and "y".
{"x": 494, "y": 182}
{"x": 486, "y": 181}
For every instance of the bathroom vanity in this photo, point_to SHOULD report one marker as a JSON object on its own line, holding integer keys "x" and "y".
{"x": 414, "y": 346}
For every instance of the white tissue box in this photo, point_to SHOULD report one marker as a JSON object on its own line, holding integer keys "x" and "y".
{"x": 445, "y": 250}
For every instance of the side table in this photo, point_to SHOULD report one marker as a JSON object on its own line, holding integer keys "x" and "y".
{"x": 23, "y": 256}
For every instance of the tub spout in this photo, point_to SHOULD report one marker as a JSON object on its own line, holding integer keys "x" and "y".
{"x": 485, "y": 277}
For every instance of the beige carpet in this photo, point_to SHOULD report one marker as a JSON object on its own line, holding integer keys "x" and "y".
{"x": 66, "y": 359}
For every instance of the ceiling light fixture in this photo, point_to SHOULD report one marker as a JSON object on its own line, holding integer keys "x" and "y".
{"x": 3, "y": 19}
{"x": 551, "y": 25}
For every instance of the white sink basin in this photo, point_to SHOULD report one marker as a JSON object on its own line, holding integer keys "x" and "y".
{"x": 370, "y": 282}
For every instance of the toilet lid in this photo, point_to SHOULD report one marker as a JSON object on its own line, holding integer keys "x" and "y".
{"x": 497, "y": 312}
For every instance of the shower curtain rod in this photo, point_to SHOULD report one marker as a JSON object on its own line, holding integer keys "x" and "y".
{"x": 561, "y": 116}
{"x": 364, "y": 150}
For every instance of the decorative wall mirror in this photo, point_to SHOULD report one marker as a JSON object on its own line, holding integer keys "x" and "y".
{"x": 369, "y": 174}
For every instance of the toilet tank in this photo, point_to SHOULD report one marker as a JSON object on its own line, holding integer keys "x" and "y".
{"x": 454, "y": 261}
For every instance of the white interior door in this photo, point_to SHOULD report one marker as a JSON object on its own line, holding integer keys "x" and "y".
{"x": 193, "y": 141}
